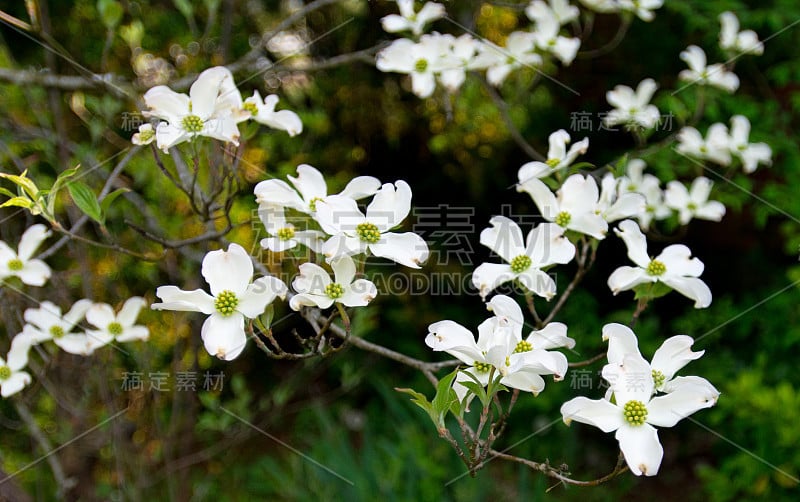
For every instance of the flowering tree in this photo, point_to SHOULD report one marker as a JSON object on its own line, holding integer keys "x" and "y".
{"x": 316, "y": 251}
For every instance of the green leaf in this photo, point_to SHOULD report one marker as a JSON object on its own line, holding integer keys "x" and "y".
{"x": 86, "y": 200}
{"x": 23, "y": 182}
{"x": 110, "y": 13}
{"x": 18, "y": 202}
{"x": 109, "y": 199}
{"x": 419, "y": 399}
{"x": 445, "y": 395}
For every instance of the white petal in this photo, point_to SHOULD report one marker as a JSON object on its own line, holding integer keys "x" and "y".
{"x": 277, "y": 245}
{"x": 423, "y": 84}
{"x": 301, "y": 300}
{"x": 533, "y": 170}
{"x": 407, "y": 249}
{"x": 130, "y": 310}
{"x": 525, "y": 381}
{"x": 76, "y": 343}
{"x": 635, "y": 241}
{"x": 278, "y": 192}
{"x": 312, "y": 279}
{"x": 669, "y": 409}
{"x": 361, "y": 187}
{"x": 538, "y": 282}
{"x": 544, "y": 199}
{"x": 635, "y": 381}
{"x": 45, "y": 316}
{"x": 134, "y": 333}
{"x": 543, "y": 362}
{"x": 336, "y": 214}
{"x": 30, "y": 241}
{"x": 454, "y": 339}
{"x": 547, "y": 245}
{"x": 488, "y": 276}
{"x": 34, "y": 273}
{"x": 642, "y": 450}
{"x": 390, "y": 206}
{"x": 228, "y": 270}
{"x": 504, "y": 237}
{"x": 100, "y": 315}
{"x": 691, "y": 287}
{"x": 224, "y": 337}
{"x": 625, "y": 278}
{"x": 674, "y": 354}
{"x": 344, "y": 270}
{"x": 174, "y": 298}
{"x": 598, "y": 412}
{"x": 552, "y": 336}
{"x": 678, "y": 261}
{"x": 166, "y": 103}
{"x": 621, "y": 342}
{"x": 590, "y": 224}
{"x": 359, "y": 293}
{"x": 205, "y": 89}
{"x": 309, "y": 182}
{"x": 15, "y": 383}
{"x": 75, "y": 313}
{"x": 342, "y": 245}
{"x": 260, "y": 294}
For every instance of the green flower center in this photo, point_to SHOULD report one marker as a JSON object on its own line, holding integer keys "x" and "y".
{"x": 563, "y": 218}
{"x": 312, "y": 205}
{"x": 658, "y": 378}
{"x": 115, "y": 328}
{"x": 15, "y": 265}
{"x": 146, "y": 135}
{"x": 553, "y": 162}
{"x": 703, "y": 149}
{"x": 368, "y": 232}
{"x": 250, "y": 107}
{"x": 520, "y": 264}
{"x": 421, "y": 65}
{"x": 57, "y": 331}
{"x": 655, "y": 267}
{"x": 741, "y": 148}
{"x": 192, "y": 123}
{"x": 5, "y": 373}
{"x": 691, "y": 206}
{"x": 523, "y": 346}
{"x": 226, "y": 302}
{"x": 285, "y": 233}
{"x": 635, "y": 412}
{"x": 334, "y": 290}
{"x": 482, "y": 367}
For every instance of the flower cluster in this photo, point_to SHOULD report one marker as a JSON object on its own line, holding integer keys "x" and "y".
{"x": 213, "y": 108}
{"x": 721, "y": 145}
{"x": 642, "y": 395}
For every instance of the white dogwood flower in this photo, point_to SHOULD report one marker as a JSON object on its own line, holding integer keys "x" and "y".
{"x": 574, "y": 208}
{"x": 751, "y": 154}
{"x": 12, "y": 377}
{"x": 211, "y": 109}
{"x": 283, "y": 235}
{"x": 46, "y": 323}
{"x": 408, "y": 20}
{"x": 649, "y": 186}
{"x": 557, "y": 157}
{"x": 698, "y": 73}
{"x": 264, "y": 112}
{"x": 19, "y": 263}
{"x": 674, "y": 267}
{"x": 633, "y": 108}
{"x": 120, "y": 327}
{"x": 615, "y": 204}
{"x": 545, "y": 246}
{"x": 693, "y": 203}
{"x": 233, "y": 298}
{"x": 634, "y": 411}
{"x": 643, "y": 9}
{"x": 422, "y": 60}
{"x": 715, "y": 146}
{"x": 309, "y": 188}
{"x": 560, "y": 9}
{"x": 315, "y": 288}
{"x": 520, "y": 363}
{"x": 546, "y": 37}
{"x": 355, "y": 233}
{"x": 738, "y": 42}
{"x": 499, "y": 62}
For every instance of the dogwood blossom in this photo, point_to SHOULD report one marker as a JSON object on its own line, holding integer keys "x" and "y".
{"x": 46, "y": 323}
{"x": 633, "y": 108}
{"x": 283, "y": 235}
{"x": 462, "y": 57}
{"x": 693, "y": 203}
{"x": 545, "y": 246}
{"x": 751, "y": 154}
{"x": 19, "y": 264}
{"x": 698, "y": 73}
{"x": 557, "y": 157}
{"x": 209, "y": 109}
{"x": 353, "y": 232}
{"x": 546, "y": 37}
{"x": 501, "y": 61}
{"x": 649, "y": 186}
{"x": 560, "y": 9}
{"x": 715, "y": 146}
{"x": 235, "y": 298}
{"x": 408, "y": 20}
{"x": 315, "y": 288}
{"x": 634, "y": 411}
{"x": 668, "y": 359}
{"x": 674, "y": 267}
{"x": 643, "y": 9}
{"x": 519, "y": 362}
{"x": 615, "y": 204}
{"x": 264, "y": 112}
{"x": 422, "y": 60}
{"x": 145, "y": 136}
{"x": 120, "y": 327}
{"x": 574, "y": 208}
{"x": 735, "y": 41}
{"x": 309, "y": 188}
{"x": 12, "y": 377}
